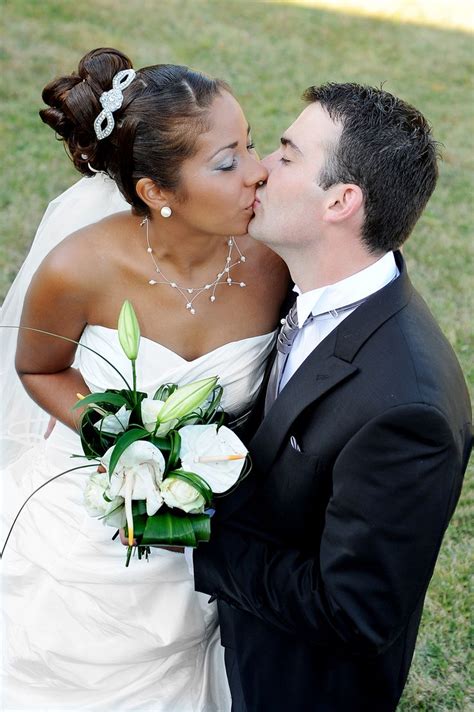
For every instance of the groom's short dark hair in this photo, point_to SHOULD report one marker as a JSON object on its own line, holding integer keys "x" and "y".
{"x": 387, "y": 149}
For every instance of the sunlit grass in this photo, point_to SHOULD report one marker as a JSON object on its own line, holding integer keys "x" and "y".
{"x": 437, "y": 13}
{"x": 270, "y": 53}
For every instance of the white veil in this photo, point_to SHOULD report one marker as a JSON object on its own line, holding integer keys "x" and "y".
{"x": 22, "y": 422}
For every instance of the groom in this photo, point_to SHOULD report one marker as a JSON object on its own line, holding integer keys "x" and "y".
{"x": 321, "y": 559}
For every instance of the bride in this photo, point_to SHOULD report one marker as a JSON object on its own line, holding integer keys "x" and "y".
{"x": 82, "y": 632}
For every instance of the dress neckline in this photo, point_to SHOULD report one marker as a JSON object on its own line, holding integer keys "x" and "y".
{"x": 198, "y": 358}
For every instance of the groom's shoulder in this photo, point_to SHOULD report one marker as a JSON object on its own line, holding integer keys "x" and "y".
{"x": 411, "y": 352}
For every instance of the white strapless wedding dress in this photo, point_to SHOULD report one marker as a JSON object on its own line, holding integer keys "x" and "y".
{"x": 81, "y": 631}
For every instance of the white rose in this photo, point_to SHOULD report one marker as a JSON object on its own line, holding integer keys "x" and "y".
{"x": 150, "y": 410}
{"x": 113, "y": 512}
{"x": 182, "y": 495}
{"x": 115, "y": 423}
{"x": 143, "y": 465}
{"x": 205, "y": 441}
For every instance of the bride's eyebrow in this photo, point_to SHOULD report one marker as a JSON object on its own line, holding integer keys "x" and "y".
{"x": 230, "y": 145}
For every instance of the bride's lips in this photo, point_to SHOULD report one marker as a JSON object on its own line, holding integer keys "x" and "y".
{"x": 256, "y": 203}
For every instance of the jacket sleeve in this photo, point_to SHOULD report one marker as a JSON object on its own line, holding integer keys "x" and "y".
{"x": 395, "y": 485}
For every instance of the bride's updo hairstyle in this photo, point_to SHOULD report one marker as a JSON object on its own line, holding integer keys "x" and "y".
{"x": 165, "y": 109}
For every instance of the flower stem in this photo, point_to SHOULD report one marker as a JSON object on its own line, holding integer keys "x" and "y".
{"x": 134, "y": 382}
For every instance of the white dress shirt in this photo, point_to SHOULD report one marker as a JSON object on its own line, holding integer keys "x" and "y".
{"x": 349, "y": 290}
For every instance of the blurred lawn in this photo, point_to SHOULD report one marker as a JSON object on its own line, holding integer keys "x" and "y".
{"x": 270, "y": 53}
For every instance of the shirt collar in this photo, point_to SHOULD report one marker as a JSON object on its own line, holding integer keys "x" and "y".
{"x": 358, "y": 286}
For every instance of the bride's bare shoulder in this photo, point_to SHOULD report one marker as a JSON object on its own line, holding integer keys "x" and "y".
{"x": 85, "y": 254}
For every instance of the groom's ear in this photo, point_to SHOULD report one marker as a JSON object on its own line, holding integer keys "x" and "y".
{"x": 345, "y": 200}
{"x": 151, "y": 194}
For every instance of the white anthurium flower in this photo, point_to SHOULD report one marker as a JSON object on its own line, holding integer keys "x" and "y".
{"x": 218, "y": 456}
{"x": 150, "y": 410}
{"x": 112, "y": 512}
{"x": 115, "y": 423}
{"x": 182, "y": 495}
{"x": 138, "y": 474}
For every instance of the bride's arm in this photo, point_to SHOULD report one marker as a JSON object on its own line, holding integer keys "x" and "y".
{"x": 57, "y": 301}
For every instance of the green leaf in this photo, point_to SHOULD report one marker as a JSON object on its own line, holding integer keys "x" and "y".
{"x": 172, "y": 529}
{"x": 94, "y": 442}
{"x": 160, "y": 443}
{"x": 165, "y": 391}
{"x": 210, "y": 411}
{"x": 107, "y": 397}
{"x": 139, "y": 524}
{"x": 138, "y": 507}
{"x": 202, "y": 526}
{"x": 196, "y": 481}
{"x": 175, "y": 447}
{"x": 123, "y": 442}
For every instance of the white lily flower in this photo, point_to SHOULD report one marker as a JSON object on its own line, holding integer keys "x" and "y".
{"x": 115, "y": 423}
{"x": 150, "y": 410}
{"x": 218, "y": 456}
{"x": 112, "y": 512}
{"x": 129, "y": 331}
{"x": 182, "y": 495}
{"x": 186, "y": 398}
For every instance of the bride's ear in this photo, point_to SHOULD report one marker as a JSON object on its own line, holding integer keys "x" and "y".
{"x": 151, "y": 194}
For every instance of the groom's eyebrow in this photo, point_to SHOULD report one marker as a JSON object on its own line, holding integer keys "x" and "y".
{"x": 288, "y": 143}
{"x": 230, "y": 145}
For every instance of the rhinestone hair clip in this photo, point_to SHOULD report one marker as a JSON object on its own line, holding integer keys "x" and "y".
{"x": 111, "y": 101}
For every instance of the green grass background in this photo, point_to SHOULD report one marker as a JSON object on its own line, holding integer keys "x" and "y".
{"x": 270, "y": 53}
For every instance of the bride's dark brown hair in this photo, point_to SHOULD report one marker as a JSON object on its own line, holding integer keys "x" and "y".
{"x": 164, "y": 110}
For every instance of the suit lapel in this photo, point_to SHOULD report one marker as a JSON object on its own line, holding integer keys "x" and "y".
{"x": 320, "y": 372}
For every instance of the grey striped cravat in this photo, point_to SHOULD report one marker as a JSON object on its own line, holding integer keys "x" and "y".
{"x": 285, "y": 341}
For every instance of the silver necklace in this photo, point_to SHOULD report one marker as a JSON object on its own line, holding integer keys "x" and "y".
{"x": 190, "y": 294}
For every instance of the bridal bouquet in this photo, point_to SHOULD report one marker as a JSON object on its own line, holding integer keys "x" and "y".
{"x": 163, "y": 458}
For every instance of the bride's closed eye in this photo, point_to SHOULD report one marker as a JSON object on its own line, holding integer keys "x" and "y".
{"x": 233, "y": 165}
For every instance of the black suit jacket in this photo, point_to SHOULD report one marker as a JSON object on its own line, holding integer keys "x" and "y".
{"x": 321, "y": 559}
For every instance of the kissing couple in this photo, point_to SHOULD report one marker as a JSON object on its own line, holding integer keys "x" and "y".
{"x": 309, "y": 594}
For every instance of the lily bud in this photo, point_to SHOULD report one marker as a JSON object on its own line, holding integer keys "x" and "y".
{"x": 186, "y": 398}
{"x": 129, "y": 331}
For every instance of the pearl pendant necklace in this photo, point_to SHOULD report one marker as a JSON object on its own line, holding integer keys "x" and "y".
{"x": 190, "y": 294}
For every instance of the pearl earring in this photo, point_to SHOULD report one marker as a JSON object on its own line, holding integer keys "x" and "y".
{"x": 165, "y": 211}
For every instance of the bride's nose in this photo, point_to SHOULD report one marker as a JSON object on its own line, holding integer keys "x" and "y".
{"x": 269, "y": 161}
{"x": 259, "y": 174}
